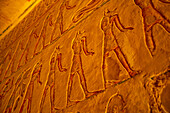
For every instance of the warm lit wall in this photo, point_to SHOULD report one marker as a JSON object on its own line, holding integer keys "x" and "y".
{"x": 88, "y": 56}
{"x": 13, "y": 11}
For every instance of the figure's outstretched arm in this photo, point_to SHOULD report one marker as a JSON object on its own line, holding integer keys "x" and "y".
{"x": 61, "y": 69}
{"x": 68, "y": 6}
{"x": 115, "y": 18}
{"x": 165, "y": 1}
{"x": 84, "y": 44}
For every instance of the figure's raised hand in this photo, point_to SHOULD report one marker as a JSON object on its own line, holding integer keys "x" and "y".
{"x": 129, "y": 28}
{"x": 64, "y": 70}
{"x": 126, "y": 29}
{"x": 91, "y": 53}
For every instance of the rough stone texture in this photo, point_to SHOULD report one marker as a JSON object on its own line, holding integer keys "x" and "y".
{"x": 88, "y": 56}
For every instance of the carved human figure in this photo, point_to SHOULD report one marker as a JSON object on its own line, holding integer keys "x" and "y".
{"x": 4, "y": 64}
{"x": 89, "y": 7}
{"x": 116, "y": 104}
{"x": 28, "y": 52}
{"x": 29, "y": 93}
{"x": 110, "y": 41}
{"x": 43, "y": 34}
{"x": 20, "y": 49}
{"x": 5, "y": 89}
{"x": 79, "y": 44}
{"x": 56, "y": 57}
{"x": 18, "y": 86}
{"x": 6, "y": 61}
{"x": 154, "y": 87}
{"x": 151, "y": 16}
{"x": 59, "y": 21}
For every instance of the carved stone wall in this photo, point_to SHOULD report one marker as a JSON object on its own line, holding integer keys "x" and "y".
{"x": 88, "y": 56}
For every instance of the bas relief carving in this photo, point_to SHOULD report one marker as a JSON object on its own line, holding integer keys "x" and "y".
{"x": 72, "y": 25}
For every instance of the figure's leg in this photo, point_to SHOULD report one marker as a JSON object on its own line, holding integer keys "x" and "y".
{"x": 30, "y": 94}
{"x": 149, "y": 41}
{"x": 22, "y": 107}
{"x": 36, "y": 51}
{"x": 16, "y": 103}
{"x": 70, "y": 86}
{"x": 84, "y": 85}
{"x": 166, "y": 24}
{"x": 52, "y": 97}
{"x": 43, "y": 98}
{"x": 10, "y": 103}
{"x": 103, "y": 68}
{"x": 53, "y": 32}
{"x": 29, "y": 105}
{"x": 61, "y": 24}
{"x": 106, "y": 54}
{"x": 83, "y": 81}
{"x": 123, "y": 61}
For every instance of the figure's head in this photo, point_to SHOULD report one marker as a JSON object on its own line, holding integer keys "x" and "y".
{"x": 160, "y": 80}
{"x": 57, "y": 49}
{"x": 137, "y": 2}
{"x": 142, "y": 3}
{"x": 106, "y": 12}
{"x": 80, "y": 32}
{"x": 109, "y": 13}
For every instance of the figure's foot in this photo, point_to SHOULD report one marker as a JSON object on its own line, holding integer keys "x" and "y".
{"x": 114, "y": 82}
{"x": 52, "y": 110}
{"x": 89, "y": 94}
{"x": 111, "y": 83}
{"x": 45, "y": 46}
{"x": 133, "y": 73}
{"x": 152, "y": 51}
{"x": 71, "y": 103}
